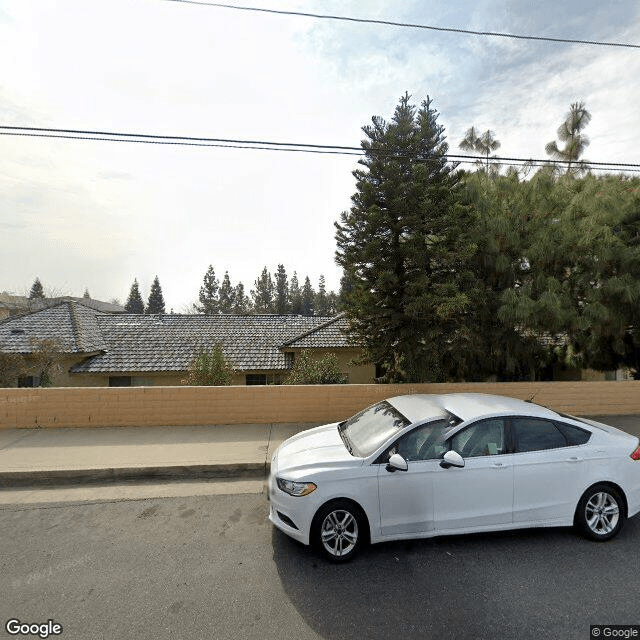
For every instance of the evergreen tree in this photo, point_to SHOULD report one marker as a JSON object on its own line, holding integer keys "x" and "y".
{"x": 502, "y": 226}
{"x": 295, "y": 295}
{"x": 155, "y": 304}
{"x": 483, "y": 143}
{"x": 346, "y": 287}
{"x": 332, "y": 303}
{"x": 308, "y": 296}
{"x": 321, "y": 303}
{"x": 134, "y": 302}
{"x": 582, "y": 284}
{"x": 86, "y": 294}
{"x": 405, "y": 245}
{"x": 282, "y": 305}
{"x": 241, "y": 302}
{"x": 569, "y": 132}
{"x": 36, "y": 290}
{"x": 263, "y": 294}
{"x": 226, "y": 295}
{"x": 209, "y": 297}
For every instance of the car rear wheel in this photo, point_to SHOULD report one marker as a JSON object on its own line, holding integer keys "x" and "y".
{"x": 600, "y": 513}
{"x": 339, "y": 530}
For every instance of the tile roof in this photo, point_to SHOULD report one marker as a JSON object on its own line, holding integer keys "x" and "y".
{"x": 329, "y": 334}
{"x": 146, "y": 343}
{"x": 72, "y": 326}
{"x": 36, "y": 304}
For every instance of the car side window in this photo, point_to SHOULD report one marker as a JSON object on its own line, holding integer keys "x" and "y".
{"x": 483, "y": 438}
{"x": 574, "y": 435}
{"x": 424, "y": 443}
{"x": 534, "y": 434}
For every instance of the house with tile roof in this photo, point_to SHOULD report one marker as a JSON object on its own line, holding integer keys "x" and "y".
{"x": 106, "y": 349}
{"x": 11, "y": 305}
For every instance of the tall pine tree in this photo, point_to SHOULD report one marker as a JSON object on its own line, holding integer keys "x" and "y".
{"x": 155, "y": 304}
{"x": 241, "y": 302}
{"x": 575, "y": 142}
{"x": 209, "y": 297}
{"x": 295, "y": 295}
{"x": 36, "y": 290}
{"x": 308, "y": 298}
{"x": 282, "y": 304}
{"x": 321, "y": 304}
{"x": 134, "y": 302}
{"x": 404, "y": 245}
{"x": 226, "y": 295}
{"x": 264, "y": 293}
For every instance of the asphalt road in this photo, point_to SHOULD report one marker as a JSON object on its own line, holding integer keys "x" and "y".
{"x": 213, "y": 567}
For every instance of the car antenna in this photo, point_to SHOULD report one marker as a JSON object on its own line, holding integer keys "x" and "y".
{"x": 532, "y": 397}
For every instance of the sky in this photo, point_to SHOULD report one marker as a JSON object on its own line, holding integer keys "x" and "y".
{"x": 95, "y": 215}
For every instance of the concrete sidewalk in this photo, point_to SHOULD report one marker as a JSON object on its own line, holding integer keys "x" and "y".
{"x": 75, "y": 455}
{"x": 85, "y": 456}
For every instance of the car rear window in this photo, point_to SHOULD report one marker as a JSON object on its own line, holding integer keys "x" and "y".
{"x": 574, "y": 435}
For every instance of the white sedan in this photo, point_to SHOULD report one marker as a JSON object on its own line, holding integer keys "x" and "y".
{"x": 419, "y": 466}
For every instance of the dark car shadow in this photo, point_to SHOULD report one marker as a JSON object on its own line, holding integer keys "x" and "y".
{"x": 514, "y": 584}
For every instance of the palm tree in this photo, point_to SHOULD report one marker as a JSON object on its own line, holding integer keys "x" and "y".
{"x": 483, "y": 143}
{"x": 569, "y": 132}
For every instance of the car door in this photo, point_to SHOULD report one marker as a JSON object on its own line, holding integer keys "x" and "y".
{"x": 406, "y": 497}
{"x": 549, "y": 473}
{"x": 480, "y": 494}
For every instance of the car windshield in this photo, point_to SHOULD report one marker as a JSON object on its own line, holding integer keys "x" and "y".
{"x": 371, "y": 428}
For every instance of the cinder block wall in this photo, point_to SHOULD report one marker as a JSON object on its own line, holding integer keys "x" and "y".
{"x": 176, "y": 406}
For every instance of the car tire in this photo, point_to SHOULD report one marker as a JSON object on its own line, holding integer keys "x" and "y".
{"x": 339, "y": 530}
{"x": 600, "y": 513}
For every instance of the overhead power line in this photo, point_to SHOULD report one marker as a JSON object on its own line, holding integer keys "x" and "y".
{"x": 266, "y": 145}
{"x": 409, "y": 25}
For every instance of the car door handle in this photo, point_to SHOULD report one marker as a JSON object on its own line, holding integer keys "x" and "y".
{"x": 574, "y": 459}
{"x": 499, "y": 465}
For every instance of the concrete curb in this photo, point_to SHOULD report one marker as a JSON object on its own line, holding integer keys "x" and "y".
{"x": 66, "y": 477}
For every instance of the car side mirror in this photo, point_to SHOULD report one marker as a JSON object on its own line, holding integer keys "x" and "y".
{"x": 396, "y": 463}
{"x": 452, "y": 459}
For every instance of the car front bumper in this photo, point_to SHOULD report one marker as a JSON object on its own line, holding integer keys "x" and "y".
{"x": 292, "y": 515}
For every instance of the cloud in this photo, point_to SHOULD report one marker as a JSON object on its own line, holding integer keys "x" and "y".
{"x": 115, "y": 175}
{"x": 98, "y": 214}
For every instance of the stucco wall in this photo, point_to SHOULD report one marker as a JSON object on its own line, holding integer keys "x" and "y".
{"x": 356, "y": 373}
{"x": 169, "y": 406}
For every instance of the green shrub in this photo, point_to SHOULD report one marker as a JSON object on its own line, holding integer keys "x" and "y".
{"x": 325, "y": 370}
{"x": 210, "y": 369}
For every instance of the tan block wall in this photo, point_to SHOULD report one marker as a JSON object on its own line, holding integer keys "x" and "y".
{"x": 176, "y": 406}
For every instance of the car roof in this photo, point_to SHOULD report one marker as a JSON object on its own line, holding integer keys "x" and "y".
{"x": 466, "y": 406}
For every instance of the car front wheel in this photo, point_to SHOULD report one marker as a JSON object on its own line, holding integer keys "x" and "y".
{"x": 338, "y": 531}
{"x": 600, "y": 514}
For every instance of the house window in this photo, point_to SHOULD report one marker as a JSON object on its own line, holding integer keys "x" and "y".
{"x": 264, "y": 378}
{"x": 119, "y": 381}
{"x": 28, "y": 381}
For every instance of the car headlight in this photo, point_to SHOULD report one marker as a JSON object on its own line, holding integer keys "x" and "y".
{"x": 295, "y": 488}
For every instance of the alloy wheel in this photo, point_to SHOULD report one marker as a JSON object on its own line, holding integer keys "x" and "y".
{"x": 339, "y": 533}
{"x": 602, "y": 513}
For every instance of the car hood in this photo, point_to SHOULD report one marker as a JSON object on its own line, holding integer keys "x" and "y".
{"x": 313, "y": 449}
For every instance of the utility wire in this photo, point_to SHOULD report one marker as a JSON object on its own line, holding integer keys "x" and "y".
{"x": 391, "y": 23}
{"x": 265, "y": 145}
